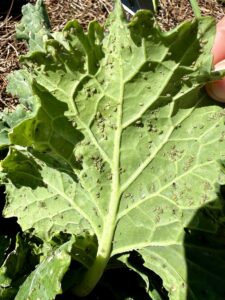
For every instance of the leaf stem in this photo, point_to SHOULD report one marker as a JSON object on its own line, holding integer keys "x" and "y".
{"x": 155, "y": 5}
{"x": 92, "y": 277}
{"x": 196, "y": 9}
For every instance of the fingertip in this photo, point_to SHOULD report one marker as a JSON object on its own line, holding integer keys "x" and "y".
{"x": 218, "y": 49}
{"x": 216, "y": 89}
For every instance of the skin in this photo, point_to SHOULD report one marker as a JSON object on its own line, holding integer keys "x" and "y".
{"x": 216, "y": 89}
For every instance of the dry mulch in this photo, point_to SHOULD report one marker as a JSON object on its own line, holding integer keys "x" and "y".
{"x": 171, "y": 12}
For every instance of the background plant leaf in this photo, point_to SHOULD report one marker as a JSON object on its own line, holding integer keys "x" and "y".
{"x": 19, "y": 261}
{"x": 45, "y": 281}
{"x": 34, "y": 26}
{"x": 4, "y": 245}
{"x": 35, "y": 29}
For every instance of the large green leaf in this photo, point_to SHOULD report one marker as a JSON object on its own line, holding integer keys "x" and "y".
{"x": 125, "y": 145}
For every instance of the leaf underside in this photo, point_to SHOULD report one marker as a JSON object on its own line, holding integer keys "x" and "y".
{"x": 123, "y": 143}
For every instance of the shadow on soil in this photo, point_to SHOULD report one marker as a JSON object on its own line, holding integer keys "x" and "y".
{"x": 11, "y": 8}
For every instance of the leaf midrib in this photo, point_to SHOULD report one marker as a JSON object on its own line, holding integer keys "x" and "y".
{"x": 105, "y": 244}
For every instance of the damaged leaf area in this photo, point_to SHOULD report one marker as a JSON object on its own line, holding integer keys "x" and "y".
{"x": 122, "y": 149}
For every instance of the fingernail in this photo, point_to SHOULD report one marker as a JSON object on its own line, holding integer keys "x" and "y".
{"x": 216, "y": 89}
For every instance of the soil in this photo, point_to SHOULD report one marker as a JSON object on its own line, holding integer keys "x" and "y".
{"x": 170, "y": 13}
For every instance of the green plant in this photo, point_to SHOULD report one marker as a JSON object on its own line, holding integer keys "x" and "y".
{"x": 155, "y": 5}
{"x": 196, "y": 9}
{"x": 114, "y": 161}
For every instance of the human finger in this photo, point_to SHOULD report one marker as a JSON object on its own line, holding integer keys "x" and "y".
{"x": 218, "y": 49}
{"x": 216, "y": 89}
